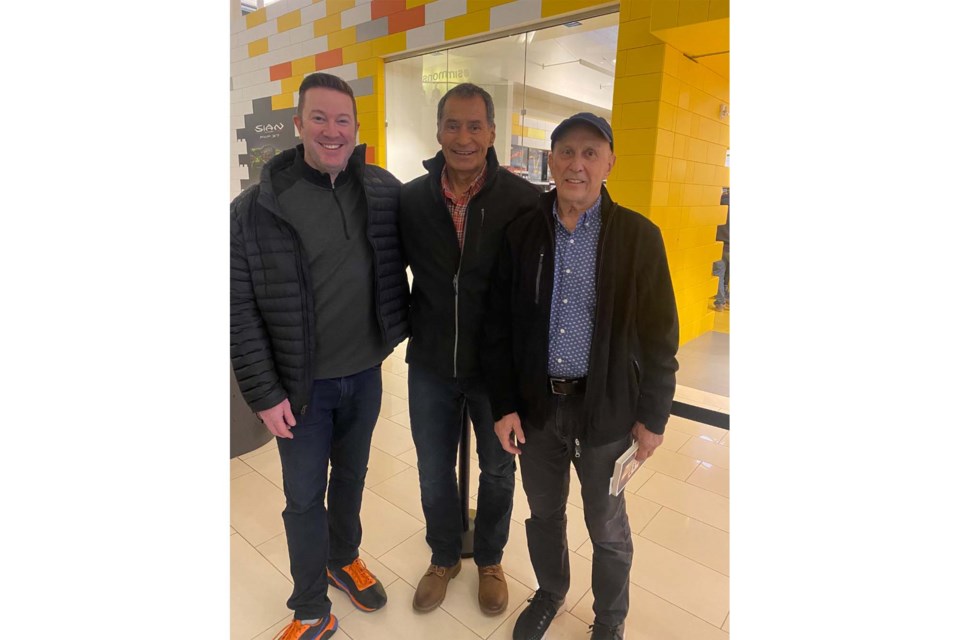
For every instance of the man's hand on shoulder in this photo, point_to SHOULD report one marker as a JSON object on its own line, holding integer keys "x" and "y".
{"x": 647, "y": 441}
{"x": 279, "y": 419}
{"x": 505, "y": 429}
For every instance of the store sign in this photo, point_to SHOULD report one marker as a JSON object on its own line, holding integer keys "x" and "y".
{"x": 267, "y": 132}
{"x": 451, "y": 75}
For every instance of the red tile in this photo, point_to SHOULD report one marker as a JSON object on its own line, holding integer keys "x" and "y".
{"x": 380, "y": 8}
{"x": 406, "y": 20}
{"x": 371, "y": 156}
{"x": 281, "y": 71}
{"x": 329, "y": 59}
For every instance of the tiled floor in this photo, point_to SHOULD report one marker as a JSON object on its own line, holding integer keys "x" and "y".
{"x": 678, "y": 505}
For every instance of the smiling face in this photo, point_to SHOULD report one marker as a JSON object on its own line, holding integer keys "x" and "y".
{"x": 328, "y": 128}
{"x": 580, "y": 161}
{"x": 464, "y": 136}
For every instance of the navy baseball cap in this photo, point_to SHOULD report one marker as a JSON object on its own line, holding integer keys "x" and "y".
{"x": 594, "y": 120}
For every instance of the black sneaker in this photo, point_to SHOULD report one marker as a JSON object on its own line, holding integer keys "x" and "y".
{"x": 361, "y": 586}
{"x": 534, "y": 620}
{"x": 600, "y": 631}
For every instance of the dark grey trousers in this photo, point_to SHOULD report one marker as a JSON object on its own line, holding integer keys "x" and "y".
{"x": 545, "y": 470}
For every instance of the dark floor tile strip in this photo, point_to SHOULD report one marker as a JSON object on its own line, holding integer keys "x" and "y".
{"x": 699, "y": 414}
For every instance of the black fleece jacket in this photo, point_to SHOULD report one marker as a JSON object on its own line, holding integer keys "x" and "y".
{"x": 272, "y": 317}
{"x": 632, "y": 372}
{"x": 449, "y": 286}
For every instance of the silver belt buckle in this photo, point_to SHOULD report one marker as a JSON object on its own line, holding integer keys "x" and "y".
{"x": 553, "y": 387}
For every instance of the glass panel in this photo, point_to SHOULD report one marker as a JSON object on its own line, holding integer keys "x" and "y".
{"x": 531, "y": 77}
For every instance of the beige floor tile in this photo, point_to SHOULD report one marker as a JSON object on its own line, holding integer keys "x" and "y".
{"x": 238, "y": 468}
{"x": 267, "y": 464}
{"x": 276, "y": 553}
{"x": 391, "y": 438}
{"x": 696, "y": 429}
{"x": 639, "y": 478}
{"x": 461, "y": 600}
{"x": 395, "y": 364}
{"x": 399, "y": 621}
{"x": 577, "y": 532}
{"x": 391, "y": 405}
{"x": 675, "y": 465}
{"x": 708, "y": 451}
{"x": 726, "y": 624}
{"x": 258, "y": 592}
{"x": 521, "y": 508}
{"x": 575, "y": 498}
{"x": 409, "y": 457}
{"x": 700, "y": 398}
{"x": 272, "y": 444}
{"x": 689, "y": 500}
{"x": 395, "y": 384}
{"x": 409, "y": 559}
{"x": 581, "y": 571}
{"x": 652, "y": 618}
{"x": 516, "y": 557}
{"x": 688, "y": 584}
{"x": 673, "y": 440}
{"x": 402, "y": 490}
{"x": 385, "y": 525}
{"x": 563, "y": 627}
{"x": 711, "y": 478}
{"x": 474, "y": 478}
{"x": 255, "y": 507}
{"x": 726, "y": 440}
{"x": 382, "y": 466}
{"x": 402, "y": 418}
{"x": 691, "y": 538}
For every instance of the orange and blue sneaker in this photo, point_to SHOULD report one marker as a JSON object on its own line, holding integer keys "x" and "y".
{"x": 361, "y": 586}
{"x": 321, "y": 630}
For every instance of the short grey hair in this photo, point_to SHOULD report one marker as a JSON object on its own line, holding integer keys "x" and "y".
{"x": 467, "y": 90}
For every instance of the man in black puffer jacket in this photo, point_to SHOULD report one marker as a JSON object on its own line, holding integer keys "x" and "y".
{"x": 451, "y": 226}
{"x": 318, "y": 299}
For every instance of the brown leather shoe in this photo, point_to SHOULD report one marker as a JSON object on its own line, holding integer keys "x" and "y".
{"x": 493, "y": 590}
{"x": 433, "y": 587}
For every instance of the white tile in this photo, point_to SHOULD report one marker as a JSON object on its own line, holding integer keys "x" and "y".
{"x": 428, "y": 35}
{"x": 313, "y": 12}
{"x": 401, "y": 622}
{"x": 444, "y": 9}
{"x": 237, "y": 54}
{"x": 402, "y": 490}
{"x": 352, "y": 17}
{"x": 301, "y": 34}
{"x": 346, "y": 71}
{"x": 393, "y": 524}
{"x": 278, "y": 41}
{"x": 653, "y": 618}
{"x": 514, "y": 13}
{"x": 278, "y": 9}
{"x": 241, "y": 107}
{"x": 258, "y": 592}
{"x": 391, "y": 438}
{"x": 688, "y": 584}
{"x": 312, "y": 46}
{"x": 255, "y": 508}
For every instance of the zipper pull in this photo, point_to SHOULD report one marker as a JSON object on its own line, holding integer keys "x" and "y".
{"x": 303, "y": 410}
{"x": 576, "y": 448}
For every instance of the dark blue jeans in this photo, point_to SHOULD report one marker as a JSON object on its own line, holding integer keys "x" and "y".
{"x": 436, "y": 403}
{"x": 545, "y": 468}
{"x": 336, "y": 430}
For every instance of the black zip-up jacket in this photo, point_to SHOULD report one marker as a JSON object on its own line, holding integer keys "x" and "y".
{"x": 449, "y": 287}
{"x": 272, "y": 322}
{"x": 632, "y": 372}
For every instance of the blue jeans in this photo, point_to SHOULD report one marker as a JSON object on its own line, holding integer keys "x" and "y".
{"x": 436, "y": 403}
{"x": 545, "y": 468}
{"x": 336, "y": 430}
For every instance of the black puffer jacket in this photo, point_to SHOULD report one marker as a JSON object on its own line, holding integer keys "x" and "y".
{"x": 633, "y": 365}
{"x": 446, "y": 316}
{"x": 272, "y": 323}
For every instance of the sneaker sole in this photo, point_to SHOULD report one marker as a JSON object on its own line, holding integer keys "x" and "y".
{"x": 336, "y": 583}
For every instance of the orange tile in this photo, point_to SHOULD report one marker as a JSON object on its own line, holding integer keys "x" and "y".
{"x": 371, "y": 154}
{"x": 406, "y": 20}
{"x": 380, "y": 8}
{"x": 329, "y": 59}
{"x": 281, "y": 71}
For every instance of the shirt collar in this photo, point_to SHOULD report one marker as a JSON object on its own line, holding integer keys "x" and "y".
{"x": 474, "y": 187}
{"x": 589, "y": 215}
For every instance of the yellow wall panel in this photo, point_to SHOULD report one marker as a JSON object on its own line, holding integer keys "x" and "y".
{"x": 367, "y": 104}
{"x": 288, "y": 21}
{"x": 639, "y": 141}
{"x": 635, "y": 9}
{"x": 664, "y": 14}
{"x": 635, "y": 167}
{"x": 517, "y": 130}
{"x": 719, "y": 9}
{"x": 342, "y": 38}
{"x": 416, "y": 3}
{"x": 557, "y": 7}
{"x": 326, "y": 26}
{"x": 693, "y": 11}
{"x": 256, "y": 18}
{"x": 484, "y": 5}
{"x": 635, "y": 33}
{"x": 370, "y": 67}
{"x": 386, "y": 45}
{"x": 641, "y": 114}
{"x": 684, "y": 122}
{"x": 632, "y": 62}
{"x": 665, "y": 142}
{"x": 660, "y": 194}
{"x": 283, "y": 101}
{"x": 257, "y": 47}
{"x": 336, "y": 6}
{"x": 675, "y": 197}
{"x": 467, "y": 25}
{"x": 356, "y": 52}
{"x": 680, "y": 142}
{"x": 667, "y": 116}
{"x": 291, "y": 84}
{"x": 639, "y": 88}
{"x": 303, "y": 66}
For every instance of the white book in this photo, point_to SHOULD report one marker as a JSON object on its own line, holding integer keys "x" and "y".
{"x": 623, "y": 469}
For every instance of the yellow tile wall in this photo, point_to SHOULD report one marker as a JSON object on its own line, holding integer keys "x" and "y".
{"x": 288, "y": 21}
{"x": 326, "y": 26}
{"x": 258, "y": 47}
{"x": 467, "y": 25}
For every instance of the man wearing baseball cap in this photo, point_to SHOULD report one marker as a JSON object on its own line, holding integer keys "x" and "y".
{"x": 581, "y": 341}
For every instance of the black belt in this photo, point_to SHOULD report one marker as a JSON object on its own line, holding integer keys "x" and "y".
{"x": 567, "y": 386}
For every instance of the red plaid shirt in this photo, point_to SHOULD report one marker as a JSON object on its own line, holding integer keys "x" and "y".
{"x": 458, "y": 204}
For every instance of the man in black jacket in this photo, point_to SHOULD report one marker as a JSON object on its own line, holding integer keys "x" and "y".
{"x": 451, "y": 225}
{"x": 580, "y": 350}
{"x": 318, "y": 299}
